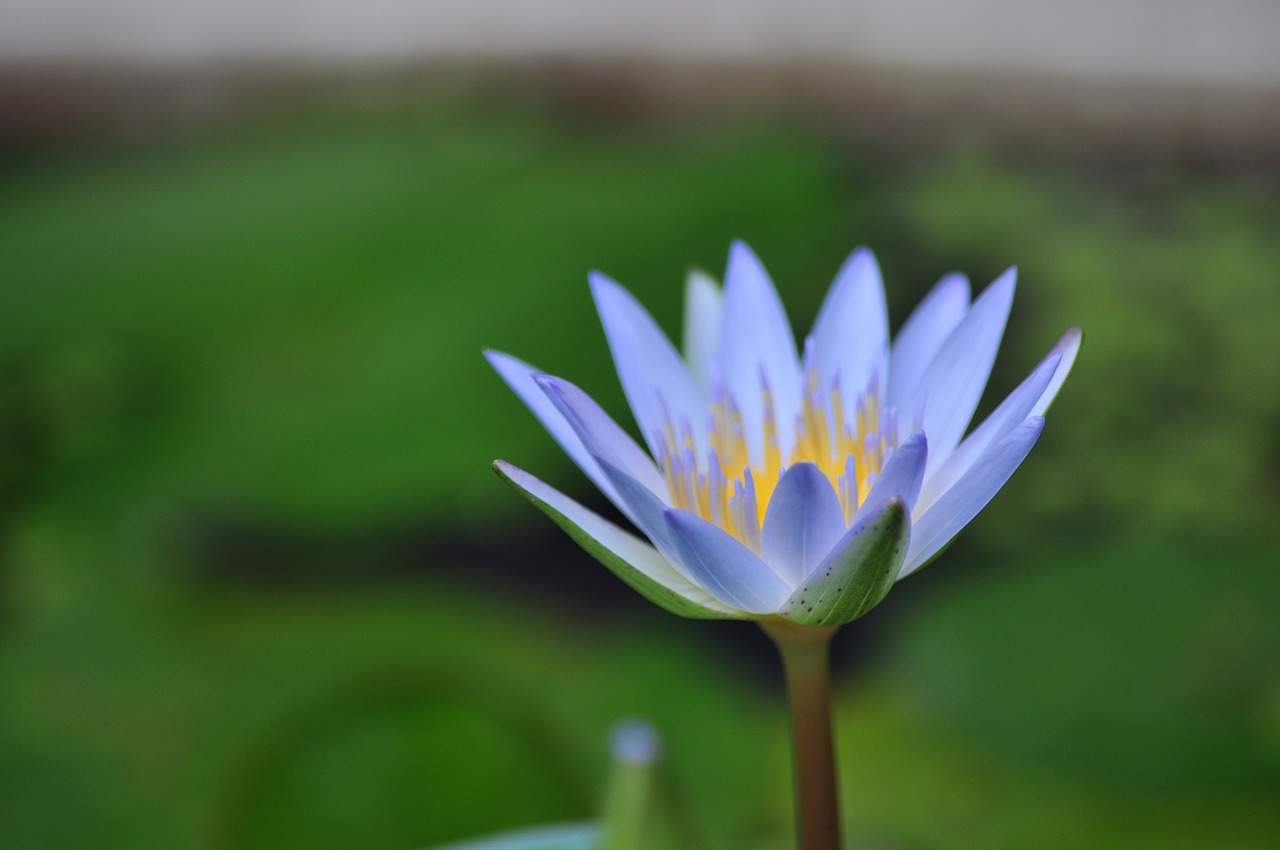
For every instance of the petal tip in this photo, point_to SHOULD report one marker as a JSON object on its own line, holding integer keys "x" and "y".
{"x": 505, "y": 470}
{"x": 741, "y": 254}
{"x": 498, "y": 359}
{"x": 1008, "y": 279}
{"x": 602, "y": 286}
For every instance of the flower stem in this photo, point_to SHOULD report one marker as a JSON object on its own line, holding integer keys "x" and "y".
{"x": 806, "y": 656}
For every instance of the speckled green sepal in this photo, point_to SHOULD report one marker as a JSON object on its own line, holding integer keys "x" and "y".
{"x": 857, "y": 574}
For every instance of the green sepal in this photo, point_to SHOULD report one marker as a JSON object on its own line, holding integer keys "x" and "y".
{"x": 639, "y": 812}
{"x": 853, "y": 579}
{"x": 659, "y": 594}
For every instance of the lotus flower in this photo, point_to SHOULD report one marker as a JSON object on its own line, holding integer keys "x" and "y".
{"x": 783, "y": 484}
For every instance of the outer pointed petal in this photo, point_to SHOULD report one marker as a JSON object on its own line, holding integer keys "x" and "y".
{"x": 953, "y": 383}
{"x": 521, "y": 377}
{"x": 955, "y": 508}
{"x": 654, "y": 377}
{"x": 901, "y": 477}
{"x": 923, "y": 333}
{"x": 801, "y": 524}
{"x": 857, "y": 574}
{"x": 644, "y": 508}
{"x": 703, "y": 305}
{"x": 1016, "y": 407}
{"x": 727, "y": 569}
{"x": 852, "y": 327}
{"x": 755, "y": 341}
{"x": 650, "y": 514}
{"x": 1069, "y": 346}
{"x": 631, "y": 559}
{"x": 600, "y": 435}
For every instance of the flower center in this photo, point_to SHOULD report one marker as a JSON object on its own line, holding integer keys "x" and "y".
{"x": 730, "y": 491}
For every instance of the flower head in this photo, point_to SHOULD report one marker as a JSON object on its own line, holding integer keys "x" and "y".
{"x": 783, "y": 483}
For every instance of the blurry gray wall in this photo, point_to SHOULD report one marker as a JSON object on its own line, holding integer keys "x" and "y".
{"x": 1230, "y": 42}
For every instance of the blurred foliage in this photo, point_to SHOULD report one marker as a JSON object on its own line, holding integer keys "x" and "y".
{"x": 236, "y": 363}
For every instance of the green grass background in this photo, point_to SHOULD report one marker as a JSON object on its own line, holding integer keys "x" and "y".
{"x": 258, "y": 588}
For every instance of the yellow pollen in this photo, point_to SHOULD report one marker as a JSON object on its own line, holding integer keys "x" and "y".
{"x": 725, "y": 488}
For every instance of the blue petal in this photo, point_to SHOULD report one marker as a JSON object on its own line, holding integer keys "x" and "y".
{"x": 801, "y": 524}
{"x": 949, "y": 391}
{"x": 600, "y": 435}
{"x": 722, "y": 565}
{"x": 955, "y": 508}
{"x": 901, "y": 477}
{"x": 1069, "y": 347}
{"x": 631, "y": 559}
{"x": 756, "y": 342}
{"x": 654, "y": 377}
{"x": 703, "y": 306}
{"x": 1016, "y": 407}
{"x": 852, "y": 328}
{"x": 924, "y": 332}
{"x": 520, "y": 376}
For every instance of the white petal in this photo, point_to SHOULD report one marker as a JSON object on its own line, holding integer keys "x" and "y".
{"x": 950, "y": 389}
{"x": 955, "y": 508}
{"x": 852, "y": 328}
{"x": 756, "y": 342}
{"x": 924, "y": 332}
{"x": 801, "y": 524}
{"x": 631, "y": 550}
{"x": 654, "y": 377}
{"x": 722, "y": 565}
{"x": 703, "y": 304}
{"x": 520, "y": 377}
{"x": 901, "y": 477}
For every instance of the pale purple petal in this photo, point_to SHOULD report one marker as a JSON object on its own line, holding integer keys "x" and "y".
{"x": 728, "y": 570}
{"x": 600, "y": 435}
{"x": 644, "y": 509}
{"x": 955, "y": 508}
{"x": 654, "y": 377}
{"x": 901, "y": 477}
{"x": 1016, "y": 407}
{"x": 634, "y": 553}
{"x": 923, "y": 333}
{"x": 1069, "y": 346}
{"x": 949, "y": 391}
{"x": 520, "y": 377}
{"x": 852, "y": 328}
{"x": 756, "y": 343}
{"x": 801, "y": 524}
{"x": 703, "y": 305}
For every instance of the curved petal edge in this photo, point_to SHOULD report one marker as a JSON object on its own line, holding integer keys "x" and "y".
{"x": 627, "y": 556}
{"x": 955, "y": 508}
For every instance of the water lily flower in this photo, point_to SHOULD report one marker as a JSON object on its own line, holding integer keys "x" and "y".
{"x": 783, "y": 483}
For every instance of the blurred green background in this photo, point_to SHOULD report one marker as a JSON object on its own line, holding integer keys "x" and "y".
{"x": 259, "y": 588}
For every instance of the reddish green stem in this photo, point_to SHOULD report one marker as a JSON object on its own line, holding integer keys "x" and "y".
{"x": 806, "y": 657}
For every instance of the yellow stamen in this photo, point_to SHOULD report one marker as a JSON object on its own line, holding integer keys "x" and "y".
{"x": 720, "y": 486}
